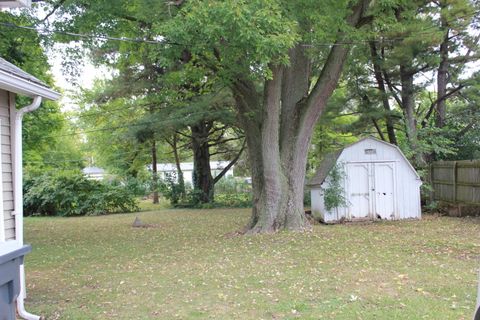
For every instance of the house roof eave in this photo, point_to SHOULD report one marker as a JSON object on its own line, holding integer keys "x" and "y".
{"x": 16, "y": 84}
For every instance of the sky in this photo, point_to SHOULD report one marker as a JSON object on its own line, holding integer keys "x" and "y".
{"x": 88, "y": 73}
{"x": 71, "y": 86}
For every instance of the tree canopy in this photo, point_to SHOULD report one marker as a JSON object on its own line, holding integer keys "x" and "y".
{"x": 295, "y": 79}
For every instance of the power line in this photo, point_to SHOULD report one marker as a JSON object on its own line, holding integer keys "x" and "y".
{"x": 138, "y": 40}
{"x": 166, "y": 42}
{"x": 85, "y": 36}
{"x": 115, "y": 135}
{"x": 133, "y": 125}
{"x": 92, "y": 114}
{"x": 80, "y": 159}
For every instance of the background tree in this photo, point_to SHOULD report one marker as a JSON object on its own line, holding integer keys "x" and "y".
{"x": 48, "y": 143}
{"x": 400, "y": 68}
{"x": 156, "y": 80}
{"x": 281, "y": 61}
{"x": 266, "y": 63}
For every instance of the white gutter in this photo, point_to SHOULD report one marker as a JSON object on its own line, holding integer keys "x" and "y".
{"x": 18, "y": 198}
{"x": 14, "y": 83}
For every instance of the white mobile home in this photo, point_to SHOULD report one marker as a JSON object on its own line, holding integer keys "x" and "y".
{"x": 377, "y": 180}
{"x": 166, "y": 169}
{"x": 94, "y": 173}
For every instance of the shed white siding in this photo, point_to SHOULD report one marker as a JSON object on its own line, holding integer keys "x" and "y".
{"x": 369, "y": 164}
{"x": 6, "y": 103}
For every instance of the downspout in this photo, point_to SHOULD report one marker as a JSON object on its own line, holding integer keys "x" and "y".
{"x": 18, "y": 198}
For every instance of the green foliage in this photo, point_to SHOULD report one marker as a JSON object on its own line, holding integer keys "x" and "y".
{"x": 247, "y": 34}
{"x": 71, "y": 194}
{"x": 232, "y": 185}
{"x": 229, "y": 200}
{"x": 377, "y": 91}
{"x": 23, "y": 47}
{"x": 110, "y": 140}
{"x": 230, "y": 192}
{"x": 307, "y": 198}
{"x": 138, "y": 186}
{"x": 204, "y": 45}
{"x": 334, "y": 130}
{"x": 334, "y": 193}
{"x": 172, "y": 190}
{"x": 462, "y": 119}
{"x": 47, "y": 143}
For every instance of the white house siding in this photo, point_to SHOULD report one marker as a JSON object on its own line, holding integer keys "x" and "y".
{"x": 165, "y": 169}
{"x": 407, "y": 184}
{"x": 9, "y": 221}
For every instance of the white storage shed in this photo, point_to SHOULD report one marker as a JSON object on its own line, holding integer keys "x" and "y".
{"x": 377, "y": 180}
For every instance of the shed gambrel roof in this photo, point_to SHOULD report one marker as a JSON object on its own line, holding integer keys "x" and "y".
{"x": 324, "y": 168}
{"x": 330, "y": 160}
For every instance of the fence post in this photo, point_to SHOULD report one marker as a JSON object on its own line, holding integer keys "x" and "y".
{"x": 455, "y": 181}
{"x": 431, "y": 192}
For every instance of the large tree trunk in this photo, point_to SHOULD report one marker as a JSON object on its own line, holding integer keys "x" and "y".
{"x": 408, "y": 107}
{"x": 278, "y": 125}
{"x": 203, "y": 183}
{"x": 442, "y": 83}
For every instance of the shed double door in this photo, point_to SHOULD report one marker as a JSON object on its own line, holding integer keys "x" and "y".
{"x": 371, "y": 190}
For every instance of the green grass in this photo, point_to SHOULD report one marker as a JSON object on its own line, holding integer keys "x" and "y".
{"x": 189, "y": 267}
{"x": 148, "y": 205}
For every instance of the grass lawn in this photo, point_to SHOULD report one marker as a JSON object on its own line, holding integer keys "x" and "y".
{"x": 188, "y": 267}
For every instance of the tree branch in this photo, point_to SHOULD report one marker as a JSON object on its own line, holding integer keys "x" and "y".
{"x": 379, "y": 131}
{"x": 469, "y": 126}
{"x": 224, "y": 141}
{"x": 330, "y": 73}
{"x": 183, "y": 134}
{"x": 225, "y": 170}
{"x": 434, "y": 104}
{"x": 55, "y": 8}
{"x": 215, "y": 129}
{"x": 392, "y": 88}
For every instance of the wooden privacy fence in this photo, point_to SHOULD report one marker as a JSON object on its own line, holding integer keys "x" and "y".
{"x": 456, "y": 181}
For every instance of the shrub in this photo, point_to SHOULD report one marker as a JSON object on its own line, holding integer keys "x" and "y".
{"x": 171, "y": 189}
{"x": 74, "y": 195}
{"x": 307, "y": 198}
{"x": 229, "y": 192}
{"x": 137, "y": 186}
{"x": 334, "y": 193}
{"x": 238, "y": 200}
{"x": 232, "y": 185}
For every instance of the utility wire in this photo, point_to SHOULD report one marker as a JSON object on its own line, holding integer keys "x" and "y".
{"x": 80, "y": 159}
{"x": 166, "y": 42}
{"x": 96, "y": 113}
{"x": 168, "y": 120}
{"x": 46, "y": 32}
{"x": 85, "y": 36}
